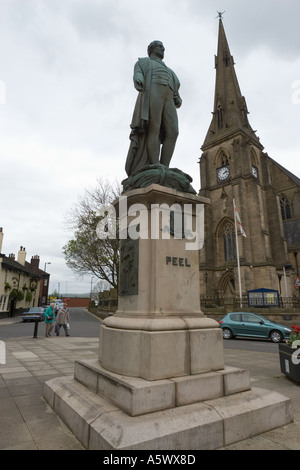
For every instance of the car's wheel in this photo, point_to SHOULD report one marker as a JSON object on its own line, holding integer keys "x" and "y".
{"x": 227, "y": 333}
{"x": 276, "y": 336}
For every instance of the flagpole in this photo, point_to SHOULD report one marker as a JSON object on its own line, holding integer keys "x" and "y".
{"x": 237, "y": 255}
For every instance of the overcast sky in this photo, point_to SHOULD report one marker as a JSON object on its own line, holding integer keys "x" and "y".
{"x": 67, "y": 96}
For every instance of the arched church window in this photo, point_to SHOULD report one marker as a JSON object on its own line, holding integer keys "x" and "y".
{"x": 224, "y": 159}
{"x": 286, "y": 211}
{"x": 229, "y": 242}
{"x": 254, "y": 161}
{"x": 227, "y": 62}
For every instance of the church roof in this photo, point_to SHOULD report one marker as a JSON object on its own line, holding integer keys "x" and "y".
{"x": 230, "y": 114}
{"x": 293, "y": 177}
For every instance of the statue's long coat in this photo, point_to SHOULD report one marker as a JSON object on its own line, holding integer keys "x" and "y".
{"x": 137, "y": 155}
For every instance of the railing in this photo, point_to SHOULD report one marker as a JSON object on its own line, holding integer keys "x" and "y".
{"x": 108, "y": 304}
{"x": 220, "y": 302}
{"x": 215, "y": 302}
{"x": 236, "y": 302}
{"x": 290, "y": 302}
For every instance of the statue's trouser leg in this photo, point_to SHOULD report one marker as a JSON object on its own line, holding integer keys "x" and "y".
{"x": 156, "y": 106}
{"x": 170, "y": 126}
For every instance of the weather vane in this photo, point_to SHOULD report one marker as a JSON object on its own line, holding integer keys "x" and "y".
{"x": 220, "y": 14}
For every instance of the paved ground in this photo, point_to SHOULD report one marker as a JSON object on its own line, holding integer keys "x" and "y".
{"x": 28, "y": 423}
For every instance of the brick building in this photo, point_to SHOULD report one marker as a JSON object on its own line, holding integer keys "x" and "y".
{"x": 22, "y": 284}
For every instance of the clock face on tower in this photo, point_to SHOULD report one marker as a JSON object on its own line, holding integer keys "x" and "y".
{"x": 223, "y": 173}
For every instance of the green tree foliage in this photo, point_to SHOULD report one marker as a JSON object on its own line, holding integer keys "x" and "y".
{"x": 85, "y": 253}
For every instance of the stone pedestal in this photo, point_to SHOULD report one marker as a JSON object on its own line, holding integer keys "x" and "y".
{"x": 159, "y": 330}
{"x": 160, "y": 381}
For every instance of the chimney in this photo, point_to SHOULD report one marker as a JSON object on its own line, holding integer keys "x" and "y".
{"x": 1, "y": 238}
{"x": 22, "y": 256}
{"x": 35, "y": 262}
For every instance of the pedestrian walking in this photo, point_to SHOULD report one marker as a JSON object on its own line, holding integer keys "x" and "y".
{"x": 49, "y": 319}
{"x": 63, "y": 320}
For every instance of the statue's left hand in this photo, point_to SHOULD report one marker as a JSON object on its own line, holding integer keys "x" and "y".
{"x": 177, "y": 101}
{"x": 138, "y": 85}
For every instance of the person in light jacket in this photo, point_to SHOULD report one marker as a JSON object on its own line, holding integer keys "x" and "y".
{"x": 49, "y": 319}
{"x": 63, "y": 320}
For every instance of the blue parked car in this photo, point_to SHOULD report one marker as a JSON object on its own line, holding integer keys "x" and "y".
{"x": 253, "y": 325}
{"x": 34, "y": 313}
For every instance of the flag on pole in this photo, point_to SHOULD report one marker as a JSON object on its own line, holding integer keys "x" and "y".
{"x": 239, "y": 220}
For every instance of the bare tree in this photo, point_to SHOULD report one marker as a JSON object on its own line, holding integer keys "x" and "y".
{"x": 86, "y": 253}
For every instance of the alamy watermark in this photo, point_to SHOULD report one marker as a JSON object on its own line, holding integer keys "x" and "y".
{"x": 295, "y": 355}
{"x": 160, "y": 221}
{"x": 2, "y": 353}
{"x": 296, "y": 93}
{"x": 2, "y": 92}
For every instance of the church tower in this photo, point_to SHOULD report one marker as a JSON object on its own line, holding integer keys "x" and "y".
{"x": 233, "y": 166}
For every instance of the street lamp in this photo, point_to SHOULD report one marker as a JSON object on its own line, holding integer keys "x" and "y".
{"x": 92, "y": 279}
{"x": 46, "y": 278}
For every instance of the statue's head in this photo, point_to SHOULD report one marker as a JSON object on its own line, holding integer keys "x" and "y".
{"x": 157, "y": 48}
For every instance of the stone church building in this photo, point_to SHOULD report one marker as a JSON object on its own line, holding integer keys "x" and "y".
{"x": 234, "y": 166}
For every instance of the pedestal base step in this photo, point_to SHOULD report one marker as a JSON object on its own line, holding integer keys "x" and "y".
{"x": 211, "y": 424}
{"x": 137, "y": 396}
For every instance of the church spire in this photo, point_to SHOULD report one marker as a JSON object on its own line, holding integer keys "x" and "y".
{"x": 230, "y": 114}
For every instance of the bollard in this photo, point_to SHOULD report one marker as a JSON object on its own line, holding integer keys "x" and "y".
{"x": 36, "y": 326}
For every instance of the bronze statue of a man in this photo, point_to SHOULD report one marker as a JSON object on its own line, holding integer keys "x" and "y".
{"x": 154, "y": 126}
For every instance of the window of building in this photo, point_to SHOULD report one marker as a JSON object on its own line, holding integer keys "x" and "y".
{"x": 224, "y": 159}
{"x": 2, "y": 302}
{"x": 254, "y": 161}
{"x": 226, "y": 60}
{"x": 229, "y": 242}
{"x": 286, "y": 211}
{"x": 220, "y": 116}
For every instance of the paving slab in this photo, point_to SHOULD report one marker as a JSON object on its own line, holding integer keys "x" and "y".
{"x": 26, "y": 417}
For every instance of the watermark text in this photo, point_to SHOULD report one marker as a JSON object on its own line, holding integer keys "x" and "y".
{"x": 296, "y": 93}
{"x": 2, "y": 353}
{"x": 159, "y": 221}
{"x": 2, "y": 92}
